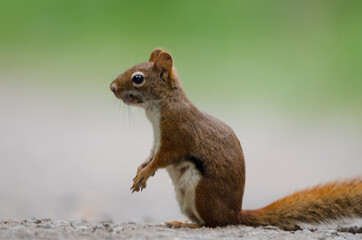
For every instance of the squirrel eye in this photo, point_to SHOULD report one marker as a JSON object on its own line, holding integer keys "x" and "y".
{"x": 138, "y": 79}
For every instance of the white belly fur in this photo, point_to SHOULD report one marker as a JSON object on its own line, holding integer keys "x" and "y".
{"x": 185, "y": 178}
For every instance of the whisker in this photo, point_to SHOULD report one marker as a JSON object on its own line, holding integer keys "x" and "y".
{"x": 124, "y": 115}
{"x": 131, "y": 119}
{"x": 119, "y": 109}
{"x": 107, "y": 76}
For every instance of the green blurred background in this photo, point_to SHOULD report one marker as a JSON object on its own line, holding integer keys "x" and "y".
{"x": 286, "y": 75}
{"x": 300, "y": 55}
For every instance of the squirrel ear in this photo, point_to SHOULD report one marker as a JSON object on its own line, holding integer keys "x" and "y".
{"x": 164, "y": 62}
{"x": 154, "y": 55}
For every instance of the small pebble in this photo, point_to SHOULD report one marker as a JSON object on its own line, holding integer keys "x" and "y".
{"x": 118, "y": 229}
{"x": 82, "y": 228}
{"x": 306, "y": 230}
{"x": 47, "y": 226}
{"x": 62, "y": 223}
{"x": 97, "y": 227}
{"x": 271, "y": 227}
{"x": 37, "y": 221}
{"x": 333, "y": 232}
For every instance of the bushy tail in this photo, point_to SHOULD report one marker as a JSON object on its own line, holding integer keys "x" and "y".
{"x": 322, "y": 203}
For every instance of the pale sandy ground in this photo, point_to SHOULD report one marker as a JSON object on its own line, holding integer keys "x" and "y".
{"x": 48, "y": 229}
{"x": 70, "y": 153}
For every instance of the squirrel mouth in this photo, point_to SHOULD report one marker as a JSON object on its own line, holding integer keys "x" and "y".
{"x": 131, "y": 99}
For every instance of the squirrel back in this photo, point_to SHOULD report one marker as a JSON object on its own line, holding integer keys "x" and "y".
{"x": 206, "y": 163}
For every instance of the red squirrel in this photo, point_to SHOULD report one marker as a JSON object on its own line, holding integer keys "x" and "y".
{"x": 205, "y": 160}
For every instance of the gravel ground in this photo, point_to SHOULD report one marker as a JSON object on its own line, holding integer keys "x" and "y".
{"x": 60, "y": 229}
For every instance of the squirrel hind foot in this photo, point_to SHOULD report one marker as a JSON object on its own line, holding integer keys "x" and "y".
{"x": 178, "y": 224}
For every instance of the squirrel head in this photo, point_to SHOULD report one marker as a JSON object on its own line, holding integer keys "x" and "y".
{"x": 149, "y": 82}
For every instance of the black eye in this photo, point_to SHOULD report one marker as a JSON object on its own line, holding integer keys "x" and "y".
{"x": 138, "y": 79}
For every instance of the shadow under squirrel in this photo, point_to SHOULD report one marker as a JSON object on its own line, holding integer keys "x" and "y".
{"x": 205, "y": 160}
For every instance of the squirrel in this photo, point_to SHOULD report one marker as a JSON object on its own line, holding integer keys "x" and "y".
{"x": 205, "y": 160}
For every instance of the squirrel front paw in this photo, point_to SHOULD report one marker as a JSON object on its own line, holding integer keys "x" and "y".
{"x": 139, "y": 182}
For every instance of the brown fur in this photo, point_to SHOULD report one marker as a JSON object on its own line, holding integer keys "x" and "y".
{"x": 186, "y": 131}
{"x": 321, "y": 203}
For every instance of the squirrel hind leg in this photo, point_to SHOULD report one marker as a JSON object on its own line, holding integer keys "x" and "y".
{"x": 178, "y": 224}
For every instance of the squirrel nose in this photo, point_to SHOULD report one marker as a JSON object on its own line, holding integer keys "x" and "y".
{"x": 113, "y": 87}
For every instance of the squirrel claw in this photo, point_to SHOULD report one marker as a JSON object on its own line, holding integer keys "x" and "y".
{"x": 142, "y": 184}
{"x": 135, "y": 187}
{"x": 139, "y": 183}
